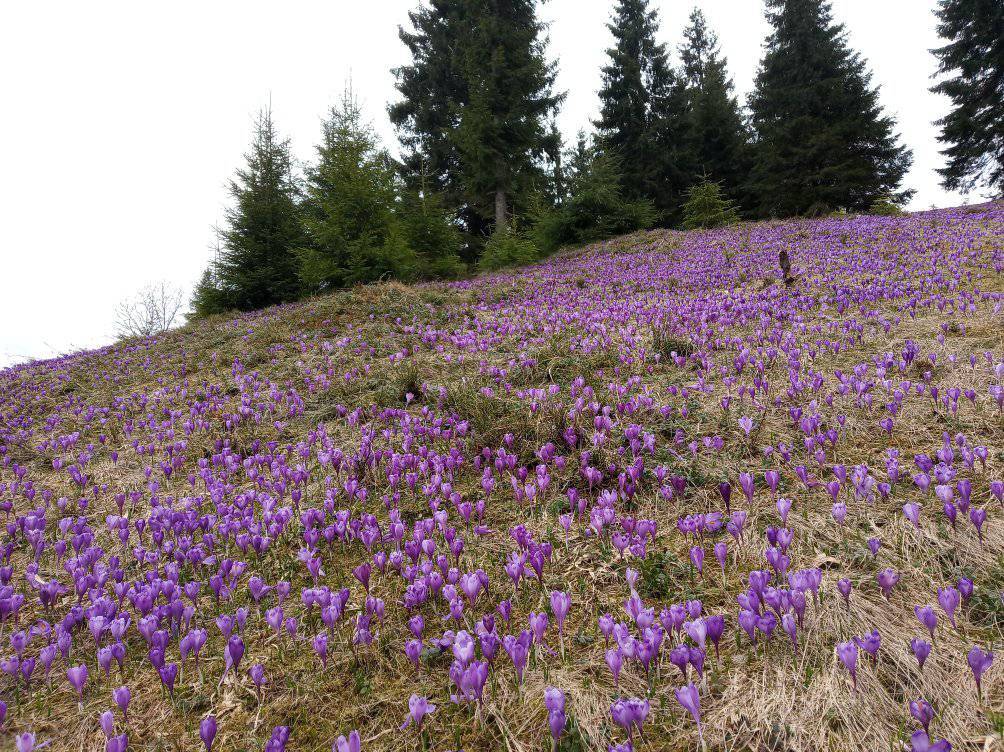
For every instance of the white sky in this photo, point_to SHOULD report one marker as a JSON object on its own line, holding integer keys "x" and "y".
{"x": 123, "y": 120}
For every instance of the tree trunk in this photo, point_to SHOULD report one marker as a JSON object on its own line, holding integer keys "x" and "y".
{"x": 500, "y": 210}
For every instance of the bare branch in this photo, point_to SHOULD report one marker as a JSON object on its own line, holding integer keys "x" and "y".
{"x": 154, "y": 309}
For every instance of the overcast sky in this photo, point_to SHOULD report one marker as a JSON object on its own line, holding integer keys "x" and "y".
{"x": 122, "y": 122}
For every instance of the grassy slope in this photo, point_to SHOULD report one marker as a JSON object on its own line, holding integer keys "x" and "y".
{"x": 603, "y": 315}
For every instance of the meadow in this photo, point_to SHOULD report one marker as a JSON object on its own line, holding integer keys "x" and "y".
{"x": 645, "y": 494}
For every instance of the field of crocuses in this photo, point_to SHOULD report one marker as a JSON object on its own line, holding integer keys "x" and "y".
{"x": 641, "y": 496}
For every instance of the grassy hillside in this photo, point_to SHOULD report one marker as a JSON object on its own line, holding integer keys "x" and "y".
{"x": 655, "y": 426}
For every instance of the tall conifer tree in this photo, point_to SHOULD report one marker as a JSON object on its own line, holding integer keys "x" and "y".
{"x": 974, "y": 58}
{"x": 433, "y": 92}
{"x": 256, "y": 265}
{"x": 349, "y": 208}
{"x": 503, "y": 131}
{"x": 717, "y": 135}
{"x": 643, "y": 110}
{"x": 475, "y": 104}
{"x": 822, "y": 142}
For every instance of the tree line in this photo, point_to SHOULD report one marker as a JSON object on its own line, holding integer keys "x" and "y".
{"x": 483, "y": 179}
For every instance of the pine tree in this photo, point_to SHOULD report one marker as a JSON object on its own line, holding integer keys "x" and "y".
{"x": 596, "y": 206}
{"x": 349, "y": 208}
{"x": 717, "y": 143}
{"x": 430, "y": 235}
{"x": 502, "y": 132}
{"x": 476, "y": 99}
{"x": 822, "y": 142}
{"x": 707, "y": 207}
{"x": 256, "y": 266}
{"x": 433, "y": 92}
{"x": 643, "y": 110}
{"x": 974, "y": 57}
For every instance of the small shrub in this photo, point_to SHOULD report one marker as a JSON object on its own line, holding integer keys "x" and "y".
{"x": 507, "y": 248}
{"x": 706, "y": 207}
{"x": 885, "y": 206}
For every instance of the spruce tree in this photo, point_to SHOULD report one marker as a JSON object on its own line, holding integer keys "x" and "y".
{"x": 822, "y": 142}
{"x": 717, "y": 140}
{"x": 974, "y": 58}
{"x": 349, "y": 207}
{"x": 433, "y": 92}
{"x": 502, "y": 133}
{"x": 430, "y": 234}
{"x": 475, "y": 104}
{"x": 643, "y": 110}
{"x": 596, "y": 206}
{"x": 707, "y": 207}
{"x": 256, "y": 266}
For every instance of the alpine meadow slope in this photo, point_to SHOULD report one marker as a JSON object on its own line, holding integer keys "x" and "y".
{"x": 694, "y": 500}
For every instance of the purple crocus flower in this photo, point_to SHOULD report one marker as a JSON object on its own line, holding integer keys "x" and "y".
{"x": 783, "y": 508}
{"x": 560, "y": 604}
{"x": 690, "y": 699}
{"x": 168, "y": 675}
{"x": 997, "y": 489}
{"x": 839, "y": 512}
{"x": 725, "y": 489}
{"x": 538, "y": 626}
{"x": 844, "y": 588}
{"x": 26, "y": 742}
{"x": 615, "y": 660}
{"x": 965, "y": 588}
{"x": 107, "y": 721}
{"x": 716, "y": 628}
{"x": 518, "y": 649}
{"x": 927, "y": 617}
{"x": 746, "y": 423}
{"x": 748, "y": 623}
{"x": 320, "y": 645}
{"x": 722, "y": 554}
{"x": 418, "y": 708}
{"x": 978, "y": 517}
{"x": 352, "y": 744}
{"x": 921, "y": 649}
{"x": 949, "y": 599}
{"x": 679, "y": 656}
{"x": 630, "y": 714}
{"x": 922, "y": 711}
{"x": 790, "y": 627}
{"x": 887, "y": 579}
{"x": 122, "y": 695}
{"x": 554, "y": 701}
{"x": 921, "y": 742}
{"x": 412, "y": 649}
{"x": 847, "y": 652}
{"x": 979, "y": 662}
{"x": 951, "y": 512}
{"x": 77, "y": 676}
{"x": 233, "y": 653}
{"x": 870, "y": 643}
{"x": 697, "y": 558}
{"x": 257, "y": 674}
{"x": 207, "y": 731}
{"x": 748, "y": 485}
